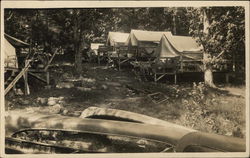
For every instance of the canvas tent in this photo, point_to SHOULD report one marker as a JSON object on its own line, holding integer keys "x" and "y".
{"x": 10, "y": 58}
{"x": 144, "y": 43}
{"x": 10, "y": 52}
{"x": 173, "y": 46}
{"x": 117, "y": 39}
{"x": 140, "y": 38}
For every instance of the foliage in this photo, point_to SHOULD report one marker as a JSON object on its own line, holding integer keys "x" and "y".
{"x": 55, "y": 27}
{"x": 226, "y": 32}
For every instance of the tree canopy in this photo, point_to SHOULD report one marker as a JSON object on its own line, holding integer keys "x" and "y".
{"x": 71, "y": 28}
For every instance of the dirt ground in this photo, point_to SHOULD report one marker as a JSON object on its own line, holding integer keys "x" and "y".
{"x": 192, "y": 105}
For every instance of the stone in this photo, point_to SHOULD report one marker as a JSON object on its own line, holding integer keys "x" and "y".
{"x": 56, "y": 109}
{"x": 42, "y": 101}
{"x": 76, "y": 113}
{"x": 24, "y": 102}
{"x": 64, "y": 85}
{"x": 19, "y": 92}
{"x": 65, "y": 112}
{"x": 51, "y": 102}
{"x": 104, "y": 87}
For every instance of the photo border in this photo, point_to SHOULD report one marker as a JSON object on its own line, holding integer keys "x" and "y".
{"x": 122, "y": 4}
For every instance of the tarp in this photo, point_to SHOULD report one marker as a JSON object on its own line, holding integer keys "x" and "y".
{"x": 173, "y": 46}
{"x": 10, "y": 58}
{"x": 145, "y": 38}
{"x": 117, "y": 39}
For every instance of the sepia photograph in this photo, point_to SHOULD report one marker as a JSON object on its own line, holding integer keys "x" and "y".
{"x": 109, "y": 79}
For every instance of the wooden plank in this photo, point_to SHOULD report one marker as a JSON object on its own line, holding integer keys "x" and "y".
{"x": 38, "y": 77}
{"x": 17, "y": 78}
{"x": 124, "y": 61}
{"x": 160, "y": 77}
{"x": 47, "y": 66}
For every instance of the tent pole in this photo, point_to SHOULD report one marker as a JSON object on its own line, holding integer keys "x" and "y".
{"x": 181, "y": 63}
{"x": 119, "y": 61}
{"x": 98, "y": 57}
{"x": 175, "y": 78}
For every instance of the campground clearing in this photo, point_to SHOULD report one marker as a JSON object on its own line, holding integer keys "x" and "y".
{"x": 189, "y": 104}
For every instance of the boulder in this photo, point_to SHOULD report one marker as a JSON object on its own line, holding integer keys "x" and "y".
{"x": 65, "y": 112}
{"x": 52, "y": 102}
{"x": 24, "y": 101}
{"x": 64, "y": 85}
{"x": 42, "y": 101}
{"x": 55, "y": 109}
{"x": 104, "y": 87}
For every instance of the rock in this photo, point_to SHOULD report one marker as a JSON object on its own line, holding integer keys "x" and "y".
{"x": 56, "y": 109}
{"x": 24, "y": 102}
{"x": 51, "y": 102}
{"x": 66, "y": 75}
{"x": 19, "y": 92}
{"x": 89, "y": 80}
{"x": 104, "y": 87}
{"x": 42, "y": 101}
{"x": 65, "y": 112}
{"x": 61, "y": 98}
{"x": 64, "y": 85}
{"x": 76, "y": 113}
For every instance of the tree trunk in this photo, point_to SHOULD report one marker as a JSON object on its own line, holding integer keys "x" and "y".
{"x": 78, "y": 60}
{"x": 77, "y": 45}
{"x": 174, "y": 22}
{"x": 208, "y": 77}
{"x": 208, "y": 73}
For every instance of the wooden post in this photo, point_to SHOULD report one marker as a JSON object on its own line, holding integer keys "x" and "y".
{"x": 25, "y": 77}
{"x": 108, "y": 59}
{"x": 26, "y": 85}
{"x": 119, "y": 61}
{"x": 47, "y": 77}
{"x": 98, "y": 58}
{"x": 181, "y": 63}
{"x": 175, "y": 78}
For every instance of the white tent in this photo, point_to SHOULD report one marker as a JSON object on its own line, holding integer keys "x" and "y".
{"x": 173, "y": 46}
{"x": 116, "y": 39}
{"x": 10, "y": 58}
{"x": 141, "y": 38}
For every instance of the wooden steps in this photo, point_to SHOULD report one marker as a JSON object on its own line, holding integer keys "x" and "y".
{"x": 12, "y": 80}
